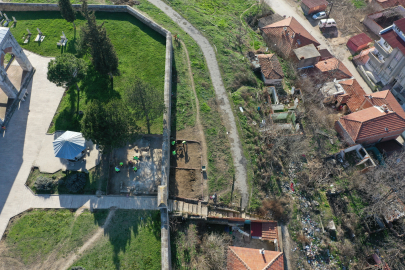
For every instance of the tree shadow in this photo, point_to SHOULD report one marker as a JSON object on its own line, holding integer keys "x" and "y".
{"x": 128, "y": 222}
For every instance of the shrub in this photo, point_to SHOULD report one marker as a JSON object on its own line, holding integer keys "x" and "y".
{"x": 75, "y": 182}
{"x": 44, "y": 183}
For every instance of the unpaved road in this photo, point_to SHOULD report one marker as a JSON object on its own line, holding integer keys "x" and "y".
{"x": 282, "y": 7}
{"x": 222, "y": 97}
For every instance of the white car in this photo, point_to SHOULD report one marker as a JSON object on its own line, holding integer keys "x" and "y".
{"x": 319, "y": 15}
{"x": 327, "y": 23}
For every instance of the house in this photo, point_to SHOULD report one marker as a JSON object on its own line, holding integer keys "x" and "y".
{"x": 328, "y": 70}
{"x": 270, "y": 68}
{"x": 379, "y": 118}
{"x": 387, "y": 61}
{"x": 344, "y": 92}
{"x": 307, "y": 56}
{"x": 354, "y": 95}
{"x": 240, "y": 258}
{"x": 313, "y": 6}
{"x": 382, "y": 19}
{"x": 362, "y": 58}
{"x": 358, "y": 42}
{"x": 286, "y": 35}
{"x": 383, "y": 4}
{"x": 325, "y": 54}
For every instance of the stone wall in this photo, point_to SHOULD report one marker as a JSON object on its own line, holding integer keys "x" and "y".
{"x": 165, "y": 230}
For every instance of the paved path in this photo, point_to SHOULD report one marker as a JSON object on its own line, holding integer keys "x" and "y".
{"x": 282, "y": 7}
{"x": 222, "y": 97}
{"x": 20, "y": 145}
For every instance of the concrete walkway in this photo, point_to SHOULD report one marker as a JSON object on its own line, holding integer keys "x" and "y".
{"x": 20, "y": 146}
{"x": 48, "y": 163}
{"x": 282, "y": 7}
{"x": 228, "y": 118}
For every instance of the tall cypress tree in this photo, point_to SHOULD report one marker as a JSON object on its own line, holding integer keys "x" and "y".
{"x": 104, "y": 56}
{"x": 67, "y": 11}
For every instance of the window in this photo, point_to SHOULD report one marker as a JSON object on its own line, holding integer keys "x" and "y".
{"x": 389, "y": 68}
{"x": 398, "y": 56}
{"x": 386, "y": 44}
{"x": 299, "y": 42}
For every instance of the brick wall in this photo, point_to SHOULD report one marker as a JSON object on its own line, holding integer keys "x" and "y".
{"x": 278, "y": 40}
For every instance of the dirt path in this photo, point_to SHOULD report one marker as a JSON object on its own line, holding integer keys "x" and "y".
{"x": 227, "y": 116}
{"x": 282, "y": 7}
{"x": 198, "y": 121}
{"x": 67, "y": 262}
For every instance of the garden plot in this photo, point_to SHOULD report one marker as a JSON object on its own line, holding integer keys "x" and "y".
{"x": 146, "y": 179}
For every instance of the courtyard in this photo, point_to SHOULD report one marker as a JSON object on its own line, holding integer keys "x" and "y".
{"x": 145, "y": 154}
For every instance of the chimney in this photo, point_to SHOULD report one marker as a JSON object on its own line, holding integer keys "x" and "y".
{"x": 262, "y": 251}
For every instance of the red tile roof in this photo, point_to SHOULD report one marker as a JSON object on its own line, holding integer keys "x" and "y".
{"x": 314, "y": 3}
{"x": 269, "y": 231}
{"x": 357, "y": 41}
{"x": 333, "y": 65}
{"x": 394, "y": 40}
{"x": 391, "y": 3}
{"x": 297, "y": 28}
{"x": 355, "y": 92}
{"x": 253, "y": 260}
{"x": 384, "y": 98}
{"x": 325, "y": 54}
{"x": 270, "y": 66}
{"x": 372, "y": 120}
{"x": 362, "y": 57}
{"x": 400, "y": 24}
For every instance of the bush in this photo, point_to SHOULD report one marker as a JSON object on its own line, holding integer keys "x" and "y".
{"x": 44, "y": 183}
{"x": 75, "y": 182}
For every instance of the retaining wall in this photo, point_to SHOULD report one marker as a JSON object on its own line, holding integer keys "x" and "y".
{"x": 165, "y": 230}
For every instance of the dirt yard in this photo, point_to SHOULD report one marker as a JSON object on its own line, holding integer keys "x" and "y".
{"x": 185, "y": 183}
{"x": 187, "y": 156}
{"x": 146, "y": 179}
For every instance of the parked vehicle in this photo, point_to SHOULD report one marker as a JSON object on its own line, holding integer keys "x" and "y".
{"x": 327, "y": 23}
{"x": 319, "y": 15}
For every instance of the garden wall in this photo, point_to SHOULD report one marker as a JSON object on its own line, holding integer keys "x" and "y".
{"x": 165, "y": 233}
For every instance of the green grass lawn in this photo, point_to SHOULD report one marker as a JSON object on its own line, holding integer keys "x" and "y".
{"x": 38, "y": 233}
{"x": 133, "y": 242}
{"x": 141, "y": 53}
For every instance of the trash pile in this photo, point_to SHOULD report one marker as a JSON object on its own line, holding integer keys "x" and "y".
{"x": 317, "y": 257}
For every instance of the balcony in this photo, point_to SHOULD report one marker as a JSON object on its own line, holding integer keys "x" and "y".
{"x": 383, "y": 50}
{"x": 376, "y": 58}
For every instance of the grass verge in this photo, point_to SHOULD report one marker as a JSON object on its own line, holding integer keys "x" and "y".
{"x": 132, "y": 242}
{"x": 220, "y": 166}
{"x": 33, "y": 235}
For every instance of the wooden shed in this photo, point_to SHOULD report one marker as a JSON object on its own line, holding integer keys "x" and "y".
{"x": 313, "y": 6}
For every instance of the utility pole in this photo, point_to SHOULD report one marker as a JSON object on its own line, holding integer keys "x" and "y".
{"x": 330, "y": 10}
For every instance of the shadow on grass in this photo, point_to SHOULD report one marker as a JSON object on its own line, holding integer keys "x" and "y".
{"x": 128, "y": 222}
